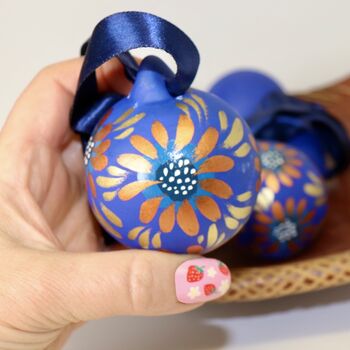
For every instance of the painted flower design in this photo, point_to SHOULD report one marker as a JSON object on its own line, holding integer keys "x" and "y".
{"x": 176, "y": 177}
{"x": 289, "y": 226}
{"x": 280, "y": 165}
{"x": 94, "y": 156}
{"x": 315, "y": 188}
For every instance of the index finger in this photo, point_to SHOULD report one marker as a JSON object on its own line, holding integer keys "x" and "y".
{"x": 41, "y": 113}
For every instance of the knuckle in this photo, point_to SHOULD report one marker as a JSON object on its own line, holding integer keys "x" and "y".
{"x": 141, "y": 284}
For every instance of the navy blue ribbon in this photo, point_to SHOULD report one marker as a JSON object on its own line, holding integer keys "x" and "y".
{"x": 115, "y": 36}
{"x": 281, "y": 117}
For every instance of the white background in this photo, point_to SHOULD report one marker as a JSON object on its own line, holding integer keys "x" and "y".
{"x": 304, "y": 43}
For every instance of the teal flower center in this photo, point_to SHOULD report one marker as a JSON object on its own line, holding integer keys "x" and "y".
{"x": 178, "y": 179}
{"x": 285, "y": 231}
{"x": 272, "y": 159}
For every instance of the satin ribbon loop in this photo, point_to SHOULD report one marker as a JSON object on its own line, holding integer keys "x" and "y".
{"x": 115, "y": 36}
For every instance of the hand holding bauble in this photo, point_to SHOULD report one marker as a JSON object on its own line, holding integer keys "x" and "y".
{"x": 171, "y": 173}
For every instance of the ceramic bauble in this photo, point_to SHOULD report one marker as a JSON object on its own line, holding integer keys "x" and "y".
{"x": 290, "y": 207}
{"x": 244, "y": 90}
{"x": 171, "y": 173}
{"x": 251, "y": 92}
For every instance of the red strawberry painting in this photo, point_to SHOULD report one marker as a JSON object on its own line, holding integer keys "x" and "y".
{"x": 194, "y": 273}
{"x": 209, "y": 289}
{"x": 224, "y": 269}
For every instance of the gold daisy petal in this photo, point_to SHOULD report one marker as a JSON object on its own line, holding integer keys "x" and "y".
{"x": 194, "y": 105}
{"x": 194, "y": 249}
{"x": 133, "y": 120}
{"x": 201, "y": 102}
{"x": 149, "y": 208}
{"x": 216, "y": 164}
{"x": 285, "y": 179}
{"x": 124, "y": 134}
{"x": 217, "y": 187}
{"x": 308, "y": 217}
{"x": 184, "y": 132}
{"x": 187, "y": 219}
{"x": 244, "y": 196}
{"x": 200, "y": 239}
{"x": 109, "y": 196}
{"x": 115, "y": 171}
{"x": 134, "y": 233}
{"x": 99, "y": 162}
{"x": 167, "y": 218}
{"x": 290, "y": 206}
{"x": 236, "y": 134}
{"x": 102, "y": 147}
{"x": 231, "y": 223}
{"x": 253, "y": 142}
{"x": 290, "y": 170}
{"x": 104, "y": 222}
{"x": 314, "y": 178}
{"x": 301, "y": 206}
{"x": 238, "y": 212}
{"x": 220, "y": 239}
{"x": 206, "y": 143}
{"x": 223, "y": 120}
{"x": 112, "y": 217}
{"x": 160, "y": 134}
{"x": 264, "y": 146}
{"x": 92, "y": 185}
{"x": 212, "y": 235}
{"x": 132, "y": 189}
{"x": 156, "y": 241}
{"x": 144, "y": 146}
{"x": 263, "y": 218}
{"x": 108, "y": 182}
{"x": 277, "y": 211}
{"x": 243, "y": 150}
{"x": 272, "y": 182}
{"x": 290, "y": 152}
{"x": 144, "y": 239}
{"x": 135, "y": 163}
{"x": 124, "y": 115}
{"x": 208, "y": 208}
{"x": 102, "y": 133}
{"x": 313, "y": 190}
{"x": 184, "y": 108}
{"x": 295, "y": 161}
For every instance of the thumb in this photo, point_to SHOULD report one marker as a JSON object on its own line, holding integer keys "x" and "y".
{"x": 97, "y": 285}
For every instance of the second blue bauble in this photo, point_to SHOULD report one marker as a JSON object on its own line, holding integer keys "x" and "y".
{"x": 174, "y": 174}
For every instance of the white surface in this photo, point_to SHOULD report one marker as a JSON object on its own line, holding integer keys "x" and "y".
{"x": 302, "y": 42}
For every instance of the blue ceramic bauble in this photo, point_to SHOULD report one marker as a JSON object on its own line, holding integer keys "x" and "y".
{"x": 244, "y": 90}
{"x": 249, "y": 93}
{"x": 290, "y": 207}
{"x": 171, "y": 173}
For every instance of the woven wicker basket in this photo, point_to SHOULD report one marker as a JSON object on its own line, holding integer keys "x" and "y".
{"x": 327, "y": 263}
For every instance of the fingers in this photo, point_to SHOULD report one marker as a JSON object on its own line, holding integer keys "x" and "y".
{"x": 90, "y": 286}
{"x": 41, "y": 114}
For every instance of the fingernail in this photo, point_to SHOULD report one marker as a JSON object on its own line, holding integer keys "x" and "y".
{"x": 201, "y": 280}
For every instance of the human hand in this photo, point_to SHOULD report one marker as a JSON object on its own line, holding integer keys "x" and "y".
{"x": 52, "y": 276}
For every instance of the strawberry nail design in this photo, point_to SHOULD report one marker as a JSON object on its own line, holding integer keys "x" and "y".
{"x": 201, "y": 280}
{"x": 224, "y": 269}
{"x": 209, "y": 289}
{"x": 194, "y": 273}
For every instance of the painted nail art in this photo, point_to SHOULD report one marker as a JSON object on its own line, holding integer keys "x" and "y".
{"x": 201, "y": 280}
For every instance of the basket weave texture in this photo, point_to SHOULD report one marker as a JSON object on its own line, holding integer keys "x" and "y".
{"x": 327, "y": 263}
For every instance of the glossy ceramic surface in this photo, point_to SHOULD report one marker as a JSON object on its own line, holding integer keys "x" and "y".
{"x": 291, "y": 204}
{"x": 174, "y": 174}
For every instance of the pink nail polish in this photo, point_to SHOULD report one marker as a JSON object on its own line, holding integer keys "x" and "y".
{"x": 201, "y": 280}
